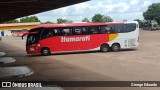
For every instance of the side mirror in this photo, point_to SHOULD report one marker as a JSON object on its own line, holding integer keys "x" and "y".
{"x": 23, "y": 36}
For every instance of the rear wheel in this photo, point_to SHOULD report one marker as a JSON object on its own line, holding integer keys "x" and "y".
{"x": 115, "y": 47}
{"x": 45, "y": 51}
{"x": 104, "y": 48}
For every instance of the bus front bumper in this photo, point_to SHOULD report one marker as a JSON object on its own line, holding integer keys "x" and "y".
{"x": 32, "y": 50}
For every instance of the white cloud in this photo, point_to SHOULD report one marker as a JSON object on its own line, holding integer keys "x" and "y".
{"x": 146, "y": 3}
{"x": 118, "y": 10}
{"x": 124, "y": 6}
{"x": 109, "y": 1}
{"x": 134, "y": 2}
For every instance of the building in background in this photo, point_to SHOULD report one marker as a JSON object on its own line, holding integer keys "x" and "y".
{"x": 8, "y": 29}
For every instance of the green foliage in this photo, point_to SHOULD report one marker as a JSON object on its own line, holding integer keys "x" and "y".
{"x": 29, "y": 19}
{"x": 140, "y": 22}
{"x": 85, "y": 20}
{"x": 101, "y": 18}
{"x": 13, "y": 21}
{"x": 48, "y": 22}
{"x": 153, "y": 12}
{"x": 61, "y": 20}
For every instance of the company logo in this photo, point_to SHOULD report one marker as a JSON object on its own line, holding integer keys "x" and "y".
{"x": 6, "y": 84}
{"x": 75, "y": 39}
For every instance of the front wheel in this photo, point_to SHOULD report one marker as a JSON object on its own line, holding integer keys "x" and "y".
{"x": 104, "y": 48}
{"x": 115, "y": 47}
{"x": 45, "y": 51}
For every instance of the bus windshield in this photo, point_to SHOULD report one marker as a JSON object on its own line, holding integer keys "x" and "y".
{"x": 33, "y": 36}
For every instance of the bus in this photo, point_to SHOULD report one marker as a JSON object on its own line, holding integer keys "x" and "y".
{"x": 74, "y": 37}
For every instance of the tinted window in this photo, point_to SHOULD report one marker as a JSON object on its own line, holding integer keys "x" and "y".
{"x": 130, "y": 27}
{"x": 56, "y": 32}
{"x": 66, "y": 31}
{"x": 80, "y": 31}
{"x": 120, "y": 28}
{"x": 48, "y": 32}
{"x": 124, "y": 28}
{"x": 84, "y": 30}
{"x": 106, "y": 29}
{"x": 92, "y": 30}
{"x": 77, "y": 31}
{"x": 34, "y": 38}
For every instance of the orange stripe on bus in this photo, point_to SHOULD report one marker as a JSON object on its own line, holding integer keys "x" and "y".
{"x": 112, "y": 36}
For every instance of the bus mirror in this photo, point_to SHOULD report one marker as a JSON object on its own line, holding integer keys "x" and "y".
{"x": 23, "y": 36}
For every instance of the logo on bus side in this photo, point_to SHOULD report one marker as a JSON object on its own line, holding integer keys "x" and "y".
{"x": 75, "y": 39}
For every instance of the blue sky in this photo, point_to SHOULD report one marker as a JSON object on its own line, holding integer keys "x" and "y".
{"x": 118, "y": 10}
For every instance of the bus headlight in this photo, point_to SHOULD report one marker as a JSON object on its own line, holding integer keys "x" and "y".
{"x": 38, "y": 45}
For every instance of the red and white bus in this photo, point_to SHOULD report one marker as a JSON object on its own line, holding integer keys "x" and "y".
{"x": 73, "y": 37}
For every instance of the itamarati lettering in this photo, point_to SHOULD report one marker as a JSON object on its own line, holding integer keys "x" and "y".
{"x": 75, "y": 39}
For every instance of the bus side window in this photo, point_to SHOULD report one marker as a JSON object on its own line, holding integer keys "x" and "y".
{"x": 107, "y": 29}
{"x": 103, "y": 30}
{"x": 131, "y": 27}
{"x": 99, "y": 29}
{"x": 93, "y": 30}
{"x": 66, "y": 31}
{"x": 56, "y": 32}
{"x": 48, "y": 32}
{"x": 77, "y": 31}
{"x": 119, "y": 28}
{"x": 84, "y": 31}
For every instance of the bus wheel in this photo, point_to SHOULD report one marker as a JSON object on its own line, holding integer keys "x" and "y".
{"x": 115, "y": 47}
{"x": 45, "y": 51}
{"x": 104, "y": 47}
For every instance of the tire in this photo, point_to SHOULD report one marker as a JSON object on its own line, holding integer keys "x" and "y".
{"x": 115, "y": 47}
{"x": 104, "y": 48}
{"x": 45, "y": 51}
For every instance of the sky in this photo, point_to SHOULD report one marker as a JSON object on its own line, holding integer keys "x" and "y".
{"x": 118, "y": 10}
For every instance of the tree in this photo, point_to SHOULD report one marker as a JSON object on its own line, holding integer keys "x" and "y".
{"x": 140, "y": 22}
{"x": 153, "y": 12}
{"x": 101, "y": 18}
{"x": 85, "y": 20}
{"x": 107, "y": 19}
{"x": 61, "y": 20}
{"x": 48, "y": 22}
{"x": 12, "y": 21}
{"x": 29, "y": 19}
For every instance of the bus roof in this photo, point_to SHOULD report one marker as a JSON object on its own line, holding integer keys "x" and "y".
{"x": 75, "y": 24}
